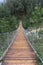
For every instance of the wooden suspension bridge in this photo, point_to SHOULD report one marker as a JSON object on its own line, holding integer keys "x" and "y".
{"x": 20, "y": 52}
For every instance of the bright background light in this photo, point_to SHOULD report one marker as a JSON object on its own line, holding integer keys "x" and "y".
{"x": 1, "y": 0}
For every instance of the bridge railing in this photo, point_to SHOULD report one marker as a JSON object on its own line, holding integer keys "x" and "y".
{"x": 36, "y": 43}
{"x": 6, "y": 39}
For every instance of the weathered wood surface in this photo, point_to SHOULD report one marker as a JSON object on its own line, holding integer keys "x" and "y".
{"x": 20, "y": 52}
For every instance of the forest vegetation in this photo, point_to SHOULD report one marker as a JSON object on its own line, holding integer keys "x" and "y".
{"x": 30, "y": 12}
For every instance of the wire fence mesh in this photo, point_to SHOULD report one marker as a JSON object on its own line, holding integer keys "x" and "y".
{"x": 5, "y": 40}
{"x": 36, "y": 40}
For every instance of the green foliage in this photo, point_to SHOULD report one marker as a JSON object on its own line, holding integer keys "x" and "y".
{"x": 26, "y": 21}
{"x": 20, "y": 7}
{"x": 4, "y": 12}
{"x": 30, "y": 11}
{"x": 35, "y": 19}
{"x": 8, "y": 24}
{"x": 40, "y": 32}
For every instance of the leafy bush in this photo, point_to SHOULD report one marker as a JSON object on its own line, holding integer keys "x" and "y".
{"x": 8, "y": 24}
{"x": 40, "y": 32}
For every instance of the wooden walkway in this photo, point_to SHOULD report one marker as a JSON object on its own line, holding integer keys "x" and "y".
{"x": 20, "y": 52}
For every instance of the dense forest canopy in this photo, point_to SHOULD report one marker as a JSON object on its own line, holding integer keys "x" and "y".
{"x": 11, "y": 11}
{"x": 22, "y": 6}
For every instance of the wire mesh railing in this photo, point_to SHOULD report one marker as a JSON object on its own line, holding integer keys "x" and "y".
{"x": 36, "y": 41}
{"x": 5, "y": 41}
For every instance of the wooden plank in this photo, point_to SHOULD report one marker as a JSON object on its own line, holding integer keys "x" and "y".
{"x": 20, "y": 52}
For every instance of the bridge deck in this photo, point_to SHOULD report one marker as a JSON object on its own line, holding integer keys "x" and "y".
{"x": 20, "y": 52}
